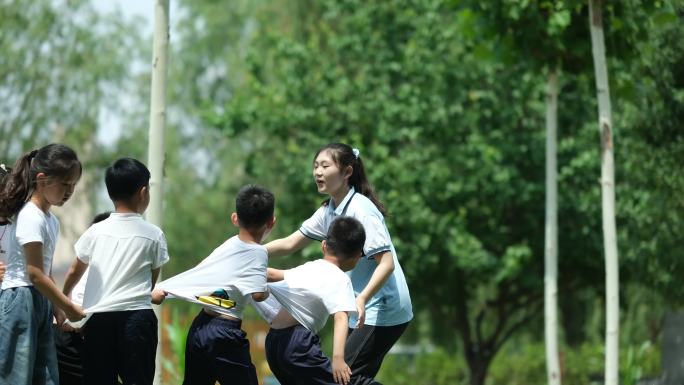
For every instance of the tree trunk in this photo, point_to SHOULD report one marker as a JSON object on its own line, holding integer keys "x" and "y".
{"x": 551, "y": 236}
{"x": 156, "y": 133}
{"x": 478, "y": 364}
{"x": 607, "y": 192}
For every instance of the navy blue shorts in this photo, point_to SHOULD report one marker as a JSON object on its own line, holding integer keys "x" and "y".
{"x": 217, "y": 350}
{"x": 295, "y": 357}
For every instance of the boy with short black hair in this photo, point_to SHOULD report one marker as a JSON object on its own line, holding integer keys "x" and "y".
{"x": 307, "y": 295}
{"x": 125, "y": 254}
{"x": 235, "y": 272}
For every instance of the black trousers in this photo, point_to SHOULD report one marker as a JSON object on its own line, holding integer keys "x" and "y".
{"x": 121, "y": 344}
{"x": 217, "y": 350}
{"x": 295, "y": 357}
{"x": 69, "y": 356}
{"x": 365, "y": 349}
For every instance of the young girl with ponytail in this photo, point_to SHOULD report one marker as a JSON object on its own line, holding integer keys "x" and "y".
{"x": 39, "y": 180}
{"x": 382, "y": 296}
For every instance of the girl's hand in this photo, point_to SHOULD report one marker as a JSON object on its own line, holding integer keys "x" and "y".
{"x": 60, "y": 317}
{"x": 75, "y": 313}
{"x": 3, "y": 269}
{"x": 158, "y": 296}
{"x": 341, "y": 371}
{"x": 361, "y": 310}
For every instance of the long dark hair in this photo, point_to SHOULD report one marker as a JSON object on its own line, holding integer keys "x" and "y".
{"x": 54, "y": 160}
{"x": 343, "y": 156}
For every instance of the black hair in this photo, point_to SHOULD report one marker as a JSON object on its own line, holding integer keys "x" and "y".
{"x": 254, "y": 206}
{"x": 100, "y": 217}
{"x": 125, "y": 177}
{"x": 345, "y": 237}
{"x": 54, "y": 160}
{"x": 343, "y": 156}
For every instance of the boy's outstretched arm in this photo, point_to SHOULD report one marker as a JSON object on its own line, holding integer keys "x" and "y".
{"x": 341, "y": 371}
{"x": 155, "y": 276}
{"x": 274, "y": 275}
{"x": 73, "y": 276}
{"x": 260, "y": 296}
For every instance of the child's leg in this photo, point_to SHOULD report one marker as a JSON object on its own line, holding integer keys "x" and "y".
{"x": 22, "y": 310}
{"x": 137, "y": 341}
{"x": 69, "y": 347}
{"x": 299, "y": 355}
{"x": 226, "y": 349}
{"x": 99, "y": 349}
{"x": 45, "y": 370}
{"x": 198, "y": 368}
{"x": 366, "y": 348}
{"x": 277, "y": 343}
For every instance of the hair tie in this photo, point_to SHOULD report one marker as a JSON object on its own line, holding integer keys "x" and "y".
{"x": 3, "y": 167}
{"x": 356, "y": 152}
{"x": 33, "y": 153}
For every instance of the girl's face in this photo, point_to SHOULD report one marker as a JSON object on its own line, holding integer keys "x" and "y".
{"x": 328, "y": 176}
{"x": 56, "y": 191}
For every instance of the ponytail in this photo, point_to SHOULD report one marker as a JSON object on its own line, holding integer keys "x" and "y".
{"x": 344, "y": 156}
{"x": 55, "y": 160}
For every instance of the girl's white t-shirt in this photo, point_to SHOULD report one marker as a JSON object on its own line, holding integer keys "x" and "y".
{"x": 32, "y": 225}
{"x": 310, "y": 293}
{"x": 235, "y": 266}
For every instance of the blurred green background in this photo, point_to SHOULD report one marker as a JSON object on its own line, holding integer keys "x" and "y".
{"x": 445, "y": 100}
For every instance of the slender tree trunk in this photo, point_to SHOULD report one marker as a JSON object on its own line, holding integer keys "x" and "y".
{"x": 607, "y": 192}
{"x": 478, "y": 364}
{"x": 156, "y": 133}
{"x": 551, "y": 236}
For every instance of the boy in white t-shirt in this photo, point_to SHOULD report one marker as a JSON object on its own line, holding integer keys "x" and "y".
{"x": 235, "y": 272}
{"x": 69, "y": 342}
{"x": 123, "y": 255}
{"x": 309, "y": 294}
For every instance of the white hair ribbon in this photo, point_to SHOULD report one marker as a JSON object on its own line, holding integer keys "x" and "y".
{"x": 356, "y": 152}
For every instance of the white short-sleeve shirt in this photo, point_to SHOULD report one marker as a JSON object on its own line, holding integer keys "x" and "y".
{"x": 121, "y": 252}
{"x": 310, "y": 293}
{"x": 31, "y": 225}
{"x": 237, "y": 267}
{"x": 391, "y": 305}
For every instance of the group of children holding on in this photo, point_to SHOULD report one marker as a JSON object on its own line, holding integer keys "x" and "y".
{"x": 119, "y": 259}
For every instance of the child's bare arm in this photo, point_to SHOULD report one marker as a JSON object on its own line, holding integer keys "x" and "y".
{"x": 33, "y": 252}
{"x": 341, "y": 371}
{"x": 274, "y": 275}
{"x": 2, "y": 271}
{"x": 155, "y": 276}
{"x": 381, "y": 274}
{"x": 74, "y": 275}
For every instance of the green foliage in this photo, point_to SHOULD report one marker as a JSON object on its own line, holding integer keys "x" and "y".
{"x": 58, "y": 72}
{"x": 521, "y": 364}
{"x": 177, "y": 332}
{"x": 437, "y": 367}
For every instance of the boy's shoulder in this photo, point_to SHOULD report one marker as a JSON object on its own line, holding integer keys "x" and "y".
{"x": 235, "y": 246}
{"x": 126, "y": 225}
{"x": 320, "y": 269}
